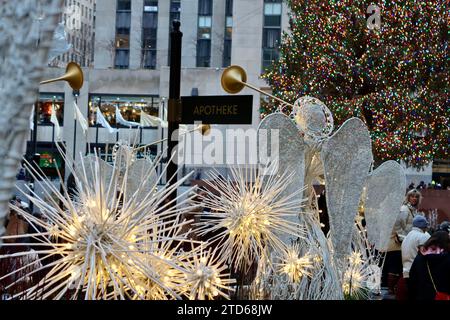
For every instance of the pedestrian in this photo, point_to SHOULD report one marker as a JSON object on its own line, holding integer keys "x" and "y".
{"x": 393, "y": 268}
{"x": 21, "y": 175}
{"x": 14, "y": 263}
{"x": 410, "y": 246}
{"x": 444, "y": 226}
{"x": 430, "y": 271}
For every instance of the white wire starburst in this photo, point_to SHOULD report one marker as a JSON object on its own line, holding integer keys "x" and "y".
{"x": 362, "y": 274}
{"x": 353, "y": 278}
{"x": 295, "y": 265}
{"x": 196, "y": 274}
{"x": 248, "y": 214}
{"x": 207, "y": 277}
{"x": 104, "y": 242}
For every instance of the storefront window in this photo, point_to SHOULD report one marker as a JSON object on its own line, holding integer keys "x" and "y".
{"x": 130, "y": 107}
{"x": 50, "y": 160}
{"x": 44, "y": 108}
{"x": 105, "y": 151}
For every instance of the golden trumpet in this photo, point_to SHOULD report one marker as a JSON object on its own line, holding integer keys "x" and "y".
{"x": 74, "y": 76}
{"x": 234, "y": 79}
{"x": 206, "y": 129}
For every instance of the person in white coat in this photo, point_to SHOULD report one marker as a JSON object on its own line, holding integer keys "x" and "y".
{"x": 410, "y": 245}
{"x": 410, "y": 248}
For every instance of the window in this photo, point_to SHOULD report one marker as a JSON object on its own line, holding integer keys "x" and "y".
{"x": 205, "y": 7}
{"x": 203, "y": 53}
{"x": 130, "y": 107}
{"x": 226, "y": 59}
{"x": 204, "y": 22}
{"x": 122, "y": 41}
{"x": 122, "y": 60}
{"x": 149, "y": 34}
{"x": 229, "y": 8}
{"x": 44, "y": 108}
{"x": 123, "y": 22}
{"x": 204, "y": 27}
{"x": 175, "y": 9}
{"x": 123, "y": 5}
{"x": 204, "y": 33}
{"x": 272, "y": 9}
{"x": 271, "y": 37}
{"x": 226, "y": 53}
{"x": 150, "y": 6}
{"x": 271, "y": 32}
{"x": 50, "y": 158}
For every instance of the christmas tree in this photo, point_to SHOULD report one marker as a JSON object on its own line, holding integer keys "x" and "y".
{"x": 392, "y": 73}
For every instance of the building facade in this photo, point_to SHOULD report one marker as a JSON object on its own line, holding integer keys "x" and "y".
{"x": 130, "y": 69}
{"x": 78, "y": 18}
{"x": 135, "y": 34}
{"x": 130, "y": 66}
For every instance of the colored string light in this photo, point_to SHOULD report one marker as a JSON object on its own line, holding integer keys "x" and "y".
{"x": 395, "y": 78}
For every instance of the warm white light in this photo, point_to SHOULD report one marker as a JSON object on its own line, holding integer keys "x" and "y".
{"x": 253, "y": 211}
{"x": 95, "y": 238}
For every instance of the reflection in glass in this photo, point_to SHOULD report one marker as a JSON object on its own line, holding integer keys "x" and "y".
{"x": 130, "y": 107}
{"x": 44, "y": 108}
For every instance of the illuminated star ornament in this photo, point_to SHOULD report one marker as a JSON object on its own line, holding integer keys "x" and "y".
{"x": 294, "y": 265}
{"x": 353, "y": 278}
{"x": 104, "y": 244}
{"x": 248, "y": 214}
{"x": 206, "y": 277}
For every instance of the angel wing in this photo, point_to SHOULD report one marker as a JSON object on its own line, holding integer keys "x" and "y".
{"x": 385, "y": 190}
{"x": 346, "y": 156}
{"x": 279, "y": 141}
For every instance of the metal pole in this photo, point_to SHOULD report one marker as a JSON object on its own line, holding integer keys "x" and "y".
{"x": 117, "y": 127}
{"x": 174, "y": 107}
{"x": 96, "y": 137}
{"x": 164, "y": 118}
{"x": 75, "y": 130}
{"x": 53, "y": 136}
{"x": 34, "y": 151}
{"x": 96, "y": 125}
{"x": 35, "y": 120}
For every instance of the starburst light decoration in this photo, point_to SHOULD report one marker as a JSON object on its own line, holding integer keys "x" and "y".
{"x": 109, "y": 243}
{"x": 207, "y": 277}
{"x": 294, "y": 265}
{"x": 249, "y": 213}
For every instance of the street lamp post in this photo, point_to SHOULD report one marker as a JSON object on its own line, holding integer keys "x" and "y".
{"x": 174, "y": 107}
{"x": 33, "y": 158}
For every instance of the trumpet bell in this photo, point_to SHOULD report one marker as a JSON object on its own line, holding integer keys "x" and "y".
{"x": 206, "y": 129}
{"x": 74, "y": 76}
{"x": 234, "y": 79}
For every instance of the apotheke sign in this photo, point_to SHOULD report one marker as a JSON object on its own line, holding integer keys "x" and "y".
{"x": 217, "y": 109}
